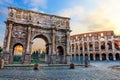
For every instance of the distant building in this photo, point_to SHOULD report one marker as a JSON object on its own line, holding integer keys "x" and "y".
{"x": 103, "y": 45}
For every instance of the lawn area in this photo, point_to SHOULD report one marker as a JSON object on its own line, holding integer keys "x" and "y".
{"x": 32, "y": 62}
{"x": 37, "y": 61}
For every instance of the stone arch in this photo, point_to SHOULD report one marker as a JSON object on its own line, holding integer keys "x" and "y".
{"x": 62, "y": 47}
{"x": 91, "y": 56}
{"x": 85, "y": 46}
{"x": 81, "y": 54}
{"x": 81, "y": 58}
{"x": 72, "y": 60}
{"x": 77, "y": 55}
{"x": 109, "y": 43}
{"x": 40, "y": 35}
{"x": 72, "y": 47}
{"x": 116, "y": 44}
{"x": 72, "y": 54}
{"x": 80, "y": 46}
{"x": 103, "y": 56}
{"x": 17, "y": 43}
{"x": 110, "y": 56}
{"x": 117, "y": 56}
{"x": 13, "y": 53}
{"x": 103, "y": 45}
{"x": 97, "y": 46}
{"x": 45, "y": 38}
{"x": 77, "y": 58}
{"x": 97, "y": 56}
{"x": 86, "y": 56}
{"x": 76, "y": 46}
{"x": 90, "y": 46}
{"x": 60, "y": 51}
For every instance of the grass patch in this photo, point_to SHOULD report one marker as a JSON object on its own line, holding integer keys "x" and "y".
{"x": 16, "y": 62}
{"x": 32, "y": 62}
{"x": 37, "y": 61}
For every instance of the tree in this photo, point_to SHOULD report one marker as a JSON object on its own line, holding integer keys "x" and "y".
{"x": 1, "y": 49}
{"x": 35, "y": 55}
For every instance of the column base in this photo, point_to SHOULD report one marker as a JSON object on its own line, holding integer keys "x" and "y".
{"x": 54, "y": 59}
{"x": 27, "y": 59}
{"x": 68, "y": 59}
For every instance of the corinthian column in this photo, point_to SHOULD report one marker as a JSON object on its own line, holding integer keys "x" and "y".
{"x": 9, "y": 36}
{"x": 28, "y": 40}
{"x": 27, "y": 55}
{"x": 8, "y": 40}
{"x": 67, "y": 56}
{"x": 53, "y": 42}
{"x": 52, "y": 56}
{"x": 68, "y": 40}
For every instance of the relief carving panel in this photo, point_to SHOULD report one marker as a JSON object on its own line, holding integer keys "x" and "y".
{"x": 37, "y": 18}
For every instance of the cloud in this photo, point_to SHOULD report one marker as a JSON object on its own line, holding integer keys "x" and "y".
{"x": 93, "y": 21}
{"x": 36, "y": 9}
{"x": 5, "y": 2}
{"x": 2, "y": 33}
{"x": 94, "y": 16}
{"x": 96, "y": 21}
{"x": 36, "y": 3}
{"x": 3, "y": 12}
{"x": 71, "y": 12}
{"x": 3, "y": 7}
{"x": 1, "y": 44}
{"x": 75, "y": 14}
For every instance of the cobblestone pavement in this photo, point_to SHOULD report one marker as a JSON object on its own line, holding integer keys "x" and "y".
{"x": 98, "y": 71}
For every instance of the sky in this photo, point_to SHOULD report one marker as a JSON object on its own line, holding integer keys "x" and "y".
{"x": 86, "y": 15}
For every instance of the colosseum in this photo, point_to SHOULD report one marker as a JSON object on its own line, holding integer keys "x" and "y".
{"x": 96, "y": 46}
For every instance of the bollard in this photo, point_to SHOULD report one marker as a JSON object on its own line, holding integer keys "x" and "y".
{"x": 72, "y": 66}
{"x": 1, "y": 63}
{"x": 36, "y": 67}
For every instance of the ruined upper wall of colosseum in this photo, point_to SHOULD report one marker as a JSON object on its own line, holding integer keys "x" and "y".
{"x": 91, "y": 34}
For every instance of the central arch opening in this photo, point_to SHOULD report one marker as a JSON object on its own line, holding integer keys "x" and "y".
{"x": 39, "y": 49}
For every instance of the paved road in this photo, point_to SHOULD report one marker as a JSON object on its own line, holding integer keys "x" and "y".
{"x": 98, "y": 71}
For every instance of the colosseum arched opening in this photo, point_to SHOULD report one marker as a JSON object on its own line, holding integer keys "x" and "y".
{"x": 103, "y": 56}
{"x": 72, "y": 60}
{"x": 86, "y": 56}
{"x": 117, "y": 56}
{"x": 110, "y": 56}
{"x": 91, "y": 56}
{"x": 77, "y": 58}
{"x": 97, "y": 57}
{"x": 81, "y": 58}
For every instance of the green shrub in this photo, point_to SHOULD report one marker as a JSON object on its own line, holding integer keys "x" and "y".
{"x": 1, "y": 49}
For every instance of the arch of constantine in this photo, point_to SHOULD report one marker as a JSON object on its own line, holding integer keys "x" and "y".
{"x": 23, "y": 26}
